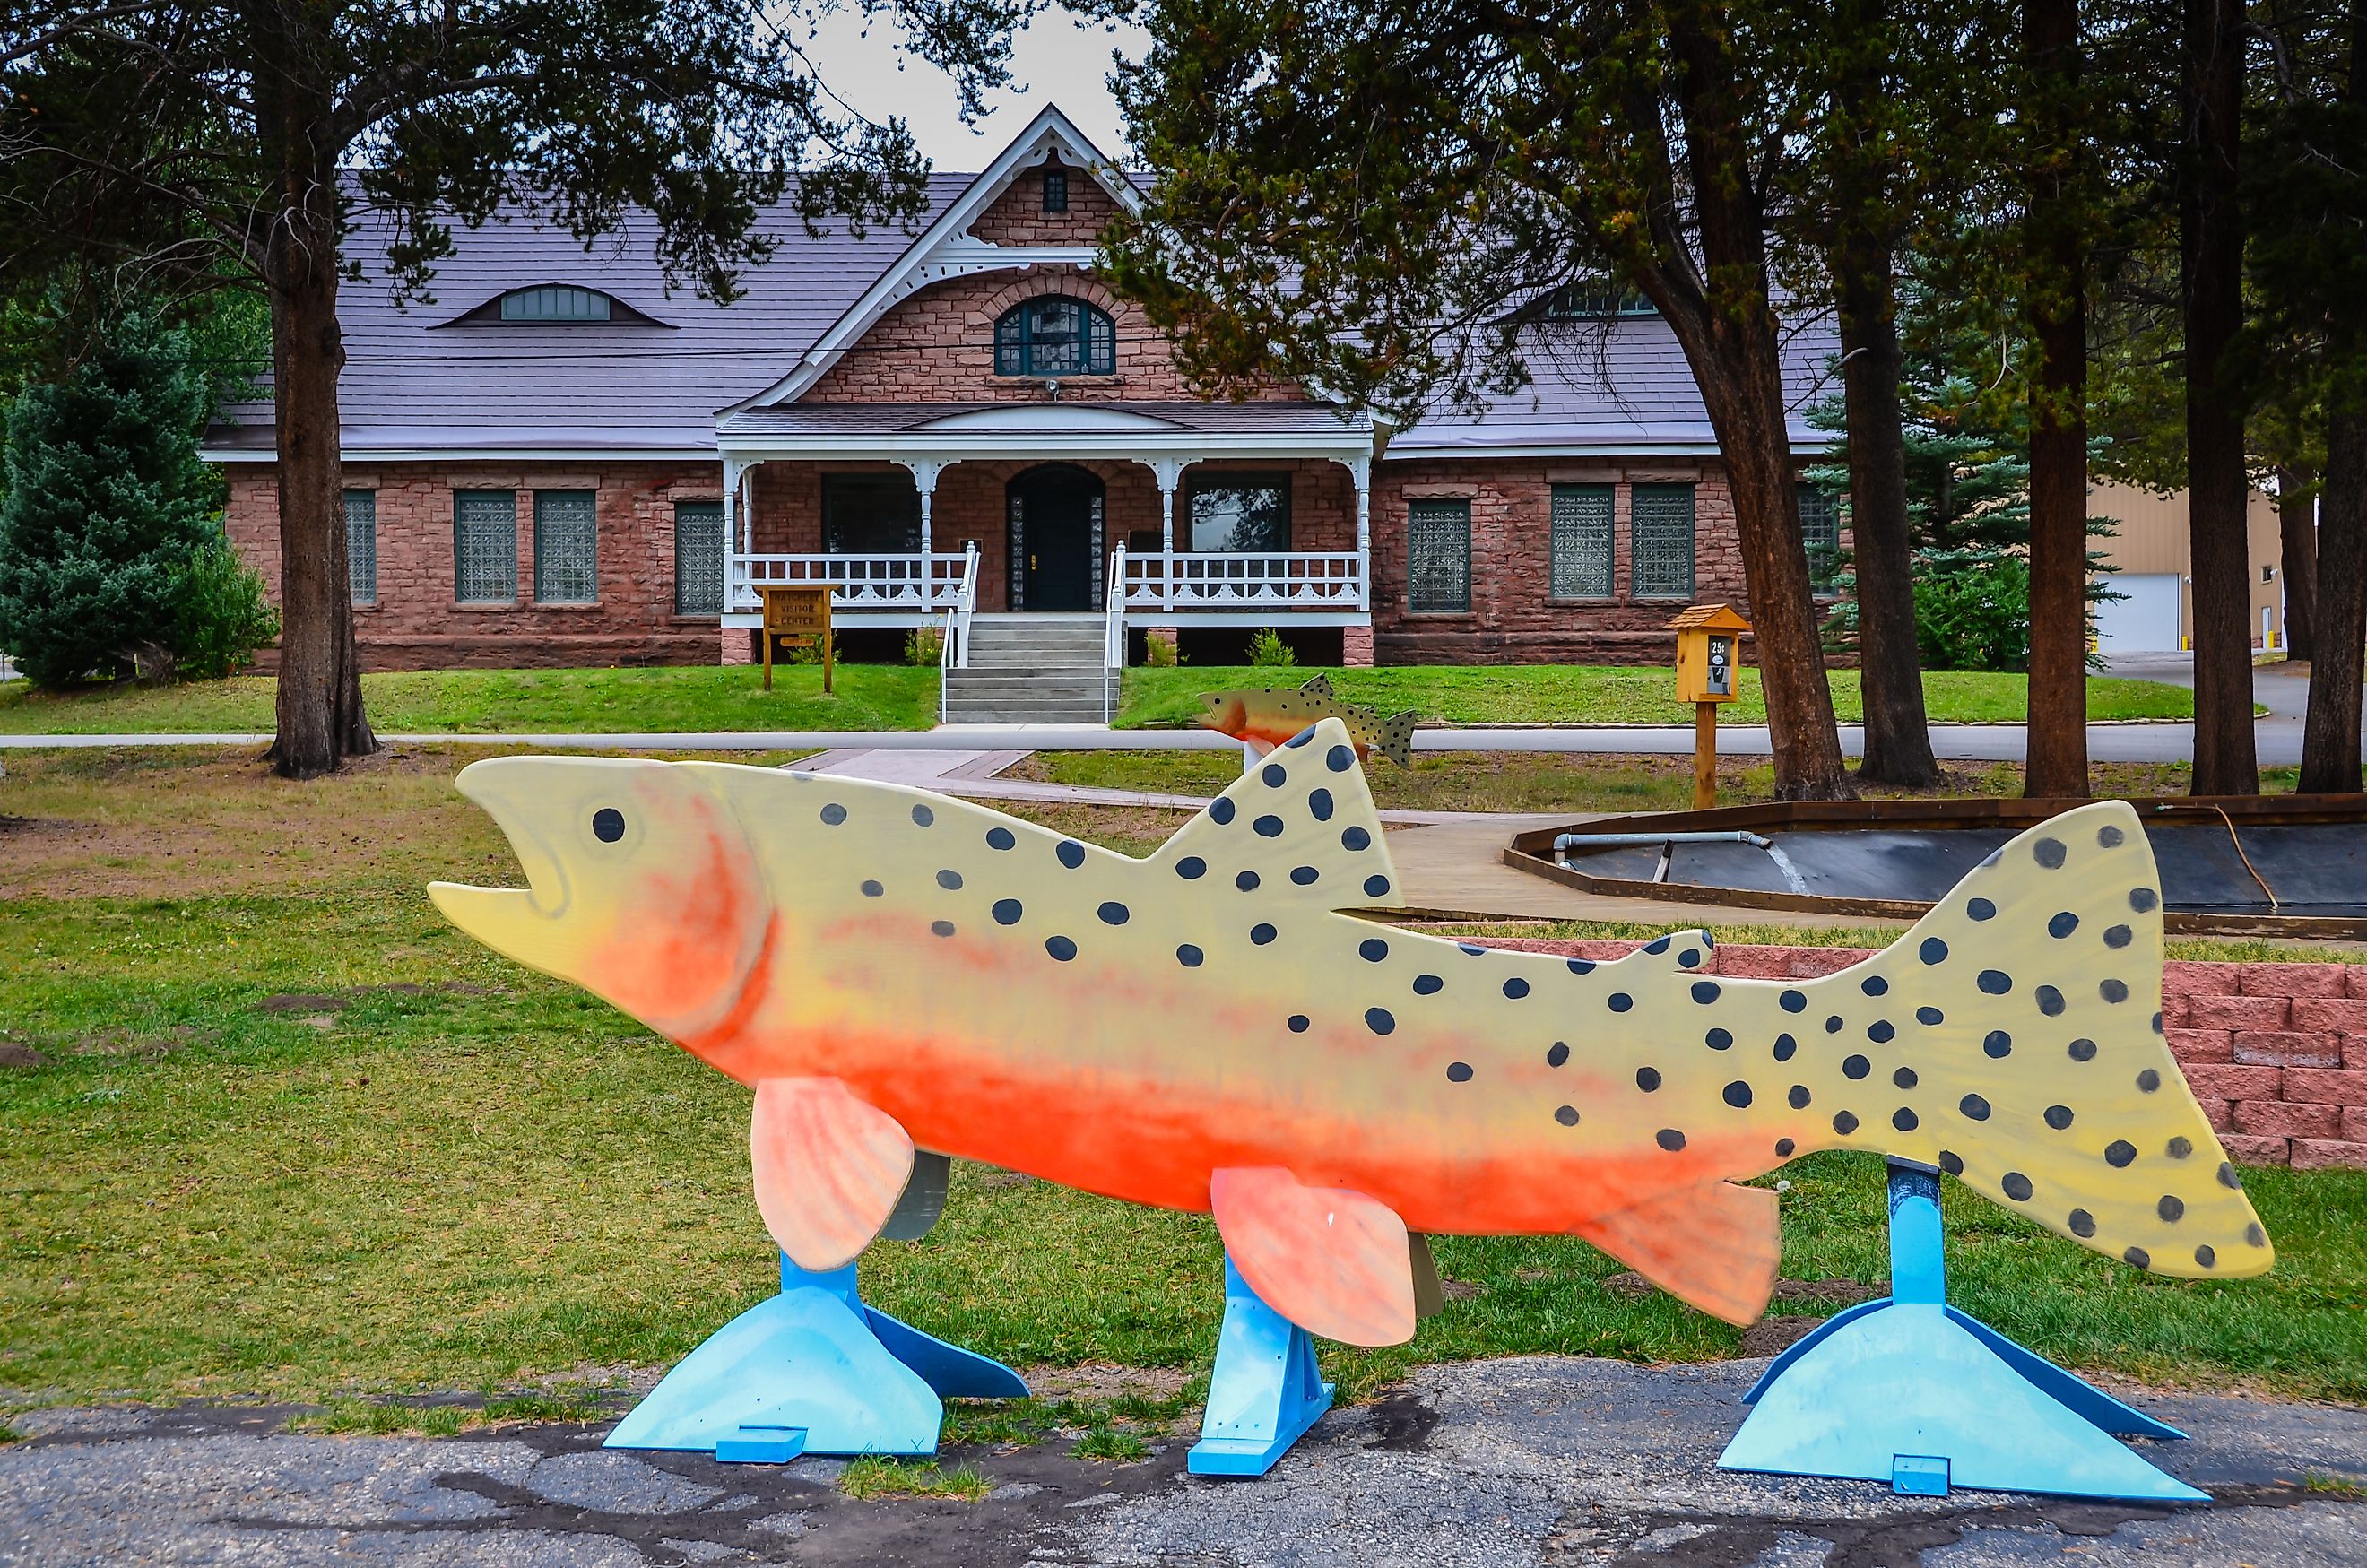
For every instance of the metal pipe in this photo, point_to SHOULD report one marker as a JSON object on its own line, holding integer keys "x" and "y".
{"x": 1565, "y": 843}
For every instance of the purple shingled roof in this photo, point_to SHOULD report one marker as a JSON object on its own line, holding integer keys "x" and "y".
{"x": 1266, "y": 416}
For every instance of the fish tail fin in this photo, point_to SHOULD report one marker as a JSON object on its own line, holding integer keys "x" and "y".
{"x": 1397, "y": 738}
{"x": 2029, "y": 1058}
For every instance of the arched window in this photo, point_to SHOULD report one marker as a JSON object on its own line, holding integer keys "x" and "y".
{"x": 555, "y": 302}
{"x": 1055, "y": 336}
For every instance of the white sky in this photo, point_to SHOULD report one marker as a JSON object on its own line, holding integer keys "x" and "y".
{"x": 1055, "y": 61}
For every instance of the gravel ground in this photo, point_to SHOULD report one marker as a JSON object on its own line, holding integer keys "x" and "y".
{"x": 1538, "y": 1461}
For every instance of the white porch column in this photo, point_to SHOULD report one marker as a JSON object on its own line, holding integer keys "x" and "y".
{"x": 1361, "y": 471}
{"x": 924, "y": 472}
{"x": 732, "y": 512}
{"x": 1168, "y": 471}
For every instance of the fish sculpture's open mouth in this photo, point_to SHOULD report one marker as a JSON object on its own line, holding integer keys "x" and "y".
{"x": 501, "y": 916}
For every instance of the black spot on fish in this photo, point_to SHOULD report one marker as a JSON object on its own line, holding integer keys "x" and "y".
{"x": 2017, "y": 1186}
{"x": 1658, "y": 944}
{"x": 2255, "y": 1235}
{"x": 1844, "y": 1124}
{"x": 1794, "y": 1002}
{"x": 1299, "y": 1023}
{"x": 2113, "y": 990}
{"x": 1061, "y": 947}
{"x": 1006, "y": 911}
{"x": 950, "y": 881}
{"x": 1833, "y": 1024}
{"x": 1975, "y": 1108}
{"x": 2117, "y": 936}
{"x": 1798, "y": 1097}
{"x": 1372, "y": 950}
{"x": 1689, "y": 957}
{"x": 2050, "y": 1002}
{"x": 1995, "y": 982}
{"x": 1621, "y": 1001}
{"x": 1980, "y": 908}
{"x": 2143, "y": 900}
{"x": 1566, "y": 1115}
{"x": 1267, "y": 827}
{"x": 1648, "y": 1078}
{"x": 1669, "y": 1139}
{"x": 2082, "y": 1223}
{"x": 1516, "y": 988}
{"x": 2205, "y": 1256}
{"x": 2109, "y": 836}
{"x": 2138, "y": 1257}
{"x": 1997, "y": 1044}
{"x": 1274, "y": 774}
{"x": 922, "y": 816}
{"x": 1718, "y": 1038}
{"x": 1001, "y": 839}
{"x": 1189, "y": 956}
{"x": 942, "y": 927}
{"x": 1784, "y": 1046}
{"x": 1318, "y": 805}
{"x": 1072, "y": 854}
{"x": 2227, "y": 1177}
{"x": 1934, "y": 950}
{"x": 1339, "y": 759}
{"x": 2172, "y": 1207}
{"x": 1704, "y": 991}
{"x": 872, "y": 890}
{"x": 1246, "y": 881}
{"x": 1456, "y": 1072}
{"x": 1784, "y": 1148}
{"x": 1304, "y": 875}
{"x": 1262, "y": 933}
{"x": 2058, "y": 1117}
{"x": 1904, "y": 1077}
{"x": 1472, "y": 948}
{"x": 1582, "y": 965}
{"x": 607, "y": 824}
{"x": 1929, "y": 1015}
{"x": 1302, "y": 737}
{"x": 2048, "y": 853}
{"x": 1880, "y": 1032}
{"x": 2179, "y": 1148}
{"x": 2119, "y": 1152}
{"x": 1559, "y": 1054}
{"x": 1427, "y": 984}
{"x": 1191, "y": 868}
{"x": 834, "y": 814}
{"x": 2083, "y": 1050}
{"x": 1952, "y": 1162}
{"x": 2148, "y": 1080}
{"x": 1904, "y": 1119}
{"x": 1874, "y": 986}
{"x": 2063, "y": 925}
{"x": 1112, "y": 913}
{"x": 1355, "y": 838}
{"x": 1377, "y": 886}
{"x": 1856, "y": 1067}
{"x": 1737, "y": 1094}
{"x": 1220, "y": 811}
{"x": 1379, "y": 1020}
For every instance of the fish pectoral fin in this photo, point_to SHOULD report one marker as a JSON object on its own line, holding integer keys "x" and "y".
{"x": 1331, "y": 1260}
{"x": 829, "y": 1168}
{"x": 1714, "y": 1246}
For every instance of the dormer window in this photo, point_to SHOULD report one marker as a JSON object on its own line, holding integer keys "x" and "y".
{"x": 1595, "y": 300}
{"x": 1056, "y": 190}
{"x": 556, "y": 303}
{"x": 1055, "y": 335}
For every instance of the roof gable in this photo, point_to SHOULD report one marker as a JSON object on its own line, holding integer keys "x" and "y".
{"x": 948, "y": 249}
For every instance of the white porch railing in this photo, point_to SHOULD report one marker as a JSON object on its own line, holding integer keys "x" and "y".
{"x": 1224, "y": 579}
{"x": 1113, "y": 627}
{"x": 899, "y": 581}
{"x": 952, "y": 648}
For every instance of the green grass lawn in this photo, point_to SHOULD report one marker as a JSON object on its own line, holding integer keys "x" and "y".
{"x": 269, "y": 1127}
{"x": 524, "y": 702}
{"x": 1569, "y": 694}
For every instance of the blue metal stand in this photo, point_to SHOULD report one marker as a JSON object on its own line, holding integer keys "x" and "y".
{"x": 1264, "y": 1392}
{"x": 812, "y": 1369}
{"x": 1912, "y": 1391}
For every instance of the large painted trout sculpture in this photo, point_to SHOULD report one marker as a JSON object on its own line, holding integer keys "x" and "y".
{"x": 1204, "y": 1030}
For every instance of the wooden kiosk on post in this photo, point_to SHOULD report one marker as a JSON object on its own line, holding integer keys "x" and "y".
{"x": 1709, "y": 654}
{"x": 797, "y": 615}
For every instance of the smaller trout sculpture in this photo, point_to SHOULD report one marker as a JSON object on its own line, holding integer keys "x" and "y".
{"x": 1263, "y": 717}
{"x": 892, "y": 970}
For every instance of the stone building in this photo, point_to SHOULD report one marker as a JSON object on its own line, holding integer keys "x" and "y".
{"x": 557, "y": 461}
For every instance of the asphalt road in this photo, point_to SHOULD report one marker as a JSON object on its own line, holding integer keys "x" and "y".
{"x": 1528, "y": 1461}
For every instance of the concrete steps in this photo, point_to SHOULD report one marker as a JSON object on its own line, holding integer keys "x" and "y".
{"x": 1032, "y": 669}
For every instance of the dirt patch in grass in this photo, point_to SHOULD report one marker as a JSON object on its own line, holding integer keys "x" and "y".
{"x": 1099, "y": 1380}
{"x": 337, "y": 1001}
{"x": 20, "y": 1056}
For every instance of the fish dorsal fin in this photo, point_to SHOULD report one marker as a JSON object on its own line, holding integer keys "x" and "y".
{"x": 1318, "y": 686}
{"x": 1298, "y": 826}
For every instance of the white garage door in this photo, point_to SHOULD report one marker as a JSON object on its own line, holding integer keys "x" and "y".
{"x": 2145, "y": 619}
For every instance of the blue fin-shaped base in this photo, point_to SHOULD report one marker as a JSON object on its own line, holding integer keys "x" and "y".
{"x": 1912, "y": 1391}
{"x": 812, "y": 1371}
{"x": 1265, "y": 1390}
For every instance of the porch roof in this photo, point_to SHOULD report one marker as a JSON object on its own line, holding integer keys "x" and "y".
{"x": 953, "y": 431}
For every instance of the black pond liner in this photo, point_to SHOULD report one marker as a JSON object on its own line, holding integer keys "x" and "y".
{"x": 2292, "y": 865}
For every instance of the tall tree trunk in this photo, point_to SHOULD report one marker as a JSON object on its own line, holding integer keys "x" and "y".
{"x": 2211, "y": 255}
{"x": 1898, "y": 738}
{"x": 321, "y": 721}
{"x": 2297, "y": 551}
{"x": 2329, "y": 744}
{"x": 2057, "y": 736}
{"x": 1728, "y": 334}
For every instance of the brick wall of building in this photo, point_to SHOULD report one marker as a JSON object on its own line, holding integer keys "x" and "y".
{"x": 2276, "y": 1052}
{"x": 1017, "y": 216}
{"x": 1512, "y": 614}
{"x": 417, "y": 624}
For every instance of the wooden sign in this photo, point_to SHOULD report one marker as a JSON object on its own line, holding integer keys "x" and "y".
{"x": 797, "y": 615}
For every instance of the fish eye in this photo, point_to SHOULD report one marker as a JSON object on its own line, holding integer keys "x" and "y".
{"x": 607, "y": 824}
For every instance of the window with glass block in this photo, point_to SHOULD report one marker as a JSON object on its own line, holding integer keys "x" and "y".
{"x": 697, "y": 558}
{"x": 484, "y": 547}
{"x": 1054, "y": 335}
{"x": 1820, "y": 530}
{"x": 566, "y": 546}
{"x": 1660, "y": 544}
{"x": 361, "y": 545}
{"x": 1438, "y": 554}
{"x": 1581, "y": 541}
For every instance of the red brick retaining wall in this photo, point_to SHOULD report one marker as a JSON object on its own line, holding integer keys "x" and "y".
{"x": 2276, "y": 1052}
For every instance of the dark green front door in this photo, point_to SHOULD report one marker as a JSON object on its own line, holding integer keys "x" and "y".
{"x": 1056, "y": 540}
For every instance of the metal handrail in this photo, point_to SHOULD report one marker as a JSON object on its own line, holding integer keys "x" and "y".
{"x": 1114, "y": 625}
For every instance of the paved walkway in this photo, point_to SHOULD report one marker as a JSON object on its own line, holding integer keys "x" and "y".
{"x": 1488, "y": 1464}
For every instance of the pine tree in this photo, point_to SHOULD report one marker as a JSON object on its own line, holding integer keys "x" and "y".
{"x": 109, "y": 507}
